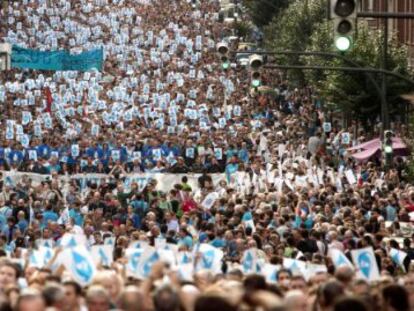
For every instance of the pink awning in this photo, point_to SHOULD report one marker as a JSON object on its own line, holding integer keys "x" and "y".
{"x": 371, "y": 147}
{"x": 366, "y": 154}
{"x": 367, "y": 145}
{"x": 397, "y": 143}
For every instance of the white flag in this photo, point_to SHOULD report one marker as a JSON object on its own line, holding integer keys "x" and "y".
{"x": 149, "y": 257}
{"x": 339, "y": 258}
{"x": 64, "y": 218}
{"x": 41, "y": 257}
{"x": 209, "y": 200}
{"x": 133, "y": 255}
{"x": 270, "y": 271}
{"x": 398, "y": 256}
{"x": 72, "y": 240}
{"x": 297, "y": 267}
{"x": 366, "y": 263}
{"x": 249, "y": 261}
{"x": 78, "y": 261}
{"x": 103, "y": 254}
{"x": 210, "y": 258}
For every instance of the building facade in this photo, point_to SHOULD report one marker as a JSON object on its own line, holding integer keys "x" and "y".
{"x": 403, "y": 28}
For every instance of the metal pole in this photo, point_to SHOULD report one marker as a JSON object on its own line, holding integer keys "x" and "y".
{"x": 384, "y": 104}
{"x": 336, "y": 68}
{"x": 366, "y": 70}
{"x": 332, "y": 55}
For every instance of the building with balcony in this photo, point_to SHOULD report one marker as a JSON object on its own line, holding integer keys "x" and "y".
{"x": 402, "y": 28}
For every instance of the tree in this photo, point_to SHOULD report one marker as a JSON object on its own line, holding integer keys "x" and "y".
{"x": 263, "y": 11}
{"x": 243, "y": 29}
{"x": 303, "y": 26}
{"x": 292, "y": 31}
{"x": 354, "y": 93}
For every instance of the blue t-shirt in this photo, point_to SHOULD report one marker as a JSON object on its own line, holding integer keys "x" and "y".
{"x": 22, "y": 225}
{"x": 16, "y": 156}
{"x": 243, "y": 155}
{"x": 3, "y": 222}
{"x": 49, "y": 215}
{"x": 298, "y": 221}
{"x": 43, "y": 151}
{"x": 391, "y": 213}
{"x": 94, "y": 152}
{"x": 136, "y": 221}
{"x": 218, "y": 242}
{"x": 186, "y": 241}
{"x": 140, "y": 207}
{"x": 76, "y": 216}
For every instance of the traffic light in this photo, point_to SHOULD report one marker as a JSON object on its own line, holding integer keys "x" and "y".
{"x": 387, "y": 148}
{"x": 223, "y": 52}
{"x": 255, "y": 63}
{"x": 344, "y": 13}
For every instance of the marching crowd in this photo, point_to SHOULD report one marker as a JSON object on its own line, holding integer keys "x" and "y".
{"x": 281, "y": 228}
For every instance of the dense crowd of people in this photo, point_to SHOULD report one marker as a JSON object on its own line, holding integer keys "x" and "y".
{"x": 278, "y": 212}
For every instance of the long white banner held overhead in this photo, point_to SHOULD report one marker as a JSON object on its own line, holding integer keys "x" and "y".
{"x": 242, "y": 181}
{"x": 164, "y": 181}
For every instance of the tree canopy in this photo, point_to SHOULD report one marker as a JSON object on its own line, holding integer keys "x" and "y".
{"x": 303, "y": 26}
{"x": 263, "y": 11}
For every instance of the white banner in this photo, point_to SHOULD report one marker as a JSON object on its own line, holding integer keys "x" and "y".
{"x": 165, "y": 181}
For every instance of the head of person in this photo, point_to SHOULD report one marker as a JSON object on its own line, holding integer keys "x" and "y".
{"x": 54, "y": 296}
{"x": 97, "y": 298}
{"x": 327, "y": 295}
{"x": 131, "y": 299}
{"x": 209, "y": 302}
{"x": 189, "y": 294}
{"x": 254, "y": 282}
{"x": 296, "y": 300}
{"x": 360, "y": 287}
{"x": 73, "y": 293}
{"x": 9, "y": 274}
{"x": 265, "y": 300}
{"x": 344, "y": 274}
{"x": 110, "y": 281}
{"x": 5, "y": 305}
{"x": 166, "y": 299}
{"x": 350, "y": 303}
{"x": 409, "y": 286}
{"x": 298, "y": 282}
{"x": 395, "y": 298}
{"x": 30, "y": 300}
{"x": 283, "y": 276}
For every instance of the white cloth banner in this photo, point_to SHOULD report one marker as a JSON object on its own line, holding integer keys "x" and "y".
{"x": 165, "y": 181}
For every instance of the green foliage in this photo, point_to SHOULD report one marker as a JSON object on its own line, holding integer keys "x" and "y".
{"x": 292, "y": 31}
{"x": 303, "y": 26}
{"x": 243, "y": 29}
{"x": 355, "y": 93}
{"x": 263, "y": 11}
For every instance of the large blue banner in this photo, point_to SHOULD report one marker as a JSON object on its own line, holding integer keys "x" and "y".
{"x": 56, "y": 60}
